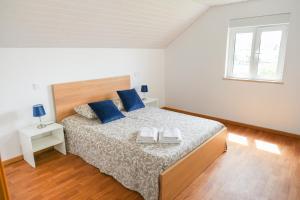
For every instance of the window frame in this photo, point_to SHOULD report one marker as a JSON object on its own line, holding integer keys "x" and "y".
{"x": 254, "y": 58}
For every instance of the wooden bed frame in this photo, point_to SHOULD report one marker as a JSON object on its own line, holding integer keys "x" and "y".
{"x": 174, "y": 179}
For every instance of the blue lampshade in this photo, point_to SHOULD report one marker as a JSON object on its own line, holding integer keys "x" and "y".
{"x": 144, "y": 88}
{"x": 38, "y": 110}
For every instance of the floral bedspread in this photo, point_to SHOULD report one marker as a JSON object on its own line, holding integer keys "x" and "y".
{"x": 112, "y": 148}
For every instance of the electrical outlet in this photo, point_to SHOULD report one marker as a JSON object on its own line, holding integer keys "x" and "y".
{"x": 35, "y": 86}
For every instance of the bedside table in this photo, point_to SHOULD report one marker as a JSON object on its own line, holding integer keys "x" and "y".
{"x": 151, "y": 102}
{"x": 33, "y": 139}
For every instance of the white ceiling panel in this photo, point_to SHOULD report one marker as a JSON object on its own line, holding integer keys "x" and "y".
{"x": 97, "y": 23}
{"x": 219, "y": 2}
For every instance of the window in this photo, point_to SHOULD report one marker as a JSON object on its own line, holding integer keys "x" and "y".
{"x": 256, "y": 52}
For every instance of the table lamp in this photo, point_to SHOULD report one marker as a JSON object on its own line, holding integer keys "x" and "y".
{"x": 144, "y": 89}
{"x": 39, "y": 111}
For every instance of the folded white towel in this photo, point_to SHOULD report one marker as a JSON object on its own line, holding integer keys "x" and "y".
{"x": 147, "y": 135}
{"x": 147, "y": 132}
{"x": 171, "y": 133}
{"x": 164, "y": 141}
{"x": 170, "y": 136}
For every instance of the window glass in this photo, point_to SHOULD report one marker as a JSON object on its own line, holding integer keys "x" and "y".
{"x": 242, "y": 54}
{"x": 269, "y": 54}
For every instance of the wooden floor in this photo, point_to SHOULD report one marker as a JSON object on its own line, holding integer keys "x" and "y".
{"x": 256, "y": 166}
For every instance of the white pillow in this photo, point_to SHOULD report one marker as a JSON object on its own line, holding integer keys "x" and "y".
{"x": 85, "y": 111}
{"x": 118, "y": 103}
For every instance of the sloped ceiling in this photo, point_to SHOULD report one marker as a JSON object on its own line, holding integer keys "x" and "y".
{"x": 97, "y": 23}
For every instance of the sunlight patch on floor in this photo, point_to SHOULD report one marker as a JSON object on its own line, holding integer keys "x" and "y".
{"x": 237, "y": 139}
{"x": 266, "y": 146}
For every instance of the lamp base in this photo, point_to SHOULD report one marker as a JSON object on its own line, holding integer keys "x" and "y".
{"x": 144, "y": 97}
{"x": 41, "y": 126}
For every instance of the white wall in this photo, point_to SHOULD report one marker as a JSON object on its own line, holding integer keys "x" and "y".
{"x": 20, "y": 68}
{"x": 195, "y": 66}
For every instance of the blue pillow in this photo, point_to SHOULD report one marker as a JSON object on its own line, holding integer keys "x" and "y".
{"x": 106, "y": 111}
{"x": 131, "y": 100}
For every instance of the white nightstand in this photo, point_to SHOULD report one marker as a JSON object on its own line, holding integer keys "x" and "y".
{"x": 151, "y": 102}
{"x": 33, "y": 139}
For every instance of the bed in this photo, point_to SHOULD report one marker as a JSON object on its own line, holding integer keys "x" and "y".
{"x": 156, "y": 171}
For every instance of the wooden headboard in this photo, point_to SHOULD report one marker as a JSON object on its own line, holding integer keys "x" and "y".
{"x": 68, "y": 95}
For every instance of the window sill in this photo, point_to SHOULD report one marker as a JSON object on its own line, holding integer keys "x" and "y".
{"x": 253, "y": 80}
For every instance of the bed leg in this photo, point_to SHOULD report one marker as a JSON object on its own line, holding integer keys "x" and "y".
{"x": 225, "y": 149}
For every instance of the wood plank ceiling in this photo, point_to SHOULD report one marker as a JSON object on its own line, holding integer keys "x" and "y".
{"x": 97, "y": 23}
